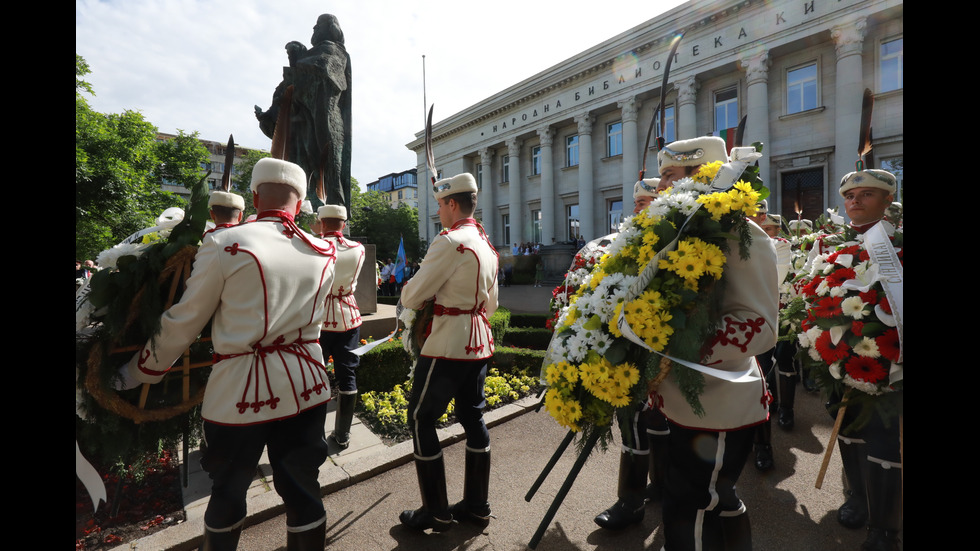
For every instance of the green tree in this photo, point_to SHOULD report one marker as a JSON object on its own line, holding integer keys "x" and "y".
{"x": 180, "y": 159}
{"x": 373, "y": 220}
{"x": 119, "y": 168}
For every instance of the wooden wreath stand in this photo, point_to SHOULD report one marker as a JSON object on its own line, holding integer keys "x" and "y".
{"x": 177, "y": 269}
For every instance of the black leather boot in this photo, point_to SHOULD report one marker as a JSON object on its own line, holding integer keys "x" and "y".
{"x": 434, "y": 513}
{"x": 854, "y": 512}
{"x": 658, "y": 467}
{"x": 763, "y": 447}
{"x": 342, "y": 423}
{"x": 475, "y": 506}
{"x": 223, "y": 540}
{"x": 314, "y": 539}
{"x": 737, "y": 532}
{"x": 785, "y": 417}
{"x": 632, "y": 485}
{"x": 884, "y": 508}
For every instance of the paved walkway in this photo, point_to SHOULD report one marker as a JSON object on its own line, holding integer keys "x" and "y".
{"x": 367, "y": 485}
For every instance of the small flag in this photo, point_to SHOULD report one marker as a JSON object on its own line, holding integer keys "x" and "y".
{"x": 400, "y": 262}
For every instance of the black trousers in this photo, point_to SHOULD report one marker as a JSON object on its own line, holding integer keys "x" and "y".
{"x": 339, "y": 346}
{"x": 437, "y": 382}
{"x": 700, "y": 486}
{"x": 296, "y": 450}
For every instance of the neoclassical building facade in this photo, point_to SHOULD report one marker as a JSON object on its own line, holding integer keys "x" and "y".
{"x": 556, "y": 155}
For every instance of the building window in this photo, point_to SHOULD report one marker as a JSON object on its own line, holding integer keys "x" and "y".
{"x": 801, "y": 89}
{"x": 615, "y": 215}
{"x": 479, "y": 175}
{"x": 669, "y": 129}
{"x": 505, "y": 224}
{"x": 614, "y": 139}
{"x": 505, "y": 168}
{"x": 892, "y": 65}
{"x": 399, "y": 194}
{"x": 437, "y": 228}
{"x": 571, "y": 150}
{"x": 802, "y": 191}
{"x": 726, "y": 109}
{"x": 536, "y": 160}
{"x": 574, "y": 224}
{"x": 536, "y": 226}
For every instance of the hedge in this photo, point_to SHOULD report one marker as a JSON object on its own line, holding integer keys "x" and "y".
{"x": 528, "y": 337}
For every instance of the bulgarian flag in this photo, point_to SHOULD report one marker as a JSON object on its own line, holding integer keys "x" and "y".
{"x": 727, "y": 134}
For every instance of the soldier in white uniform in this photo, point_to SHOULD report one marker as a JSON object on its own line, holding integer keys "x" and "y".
{"x": 341, "y": 331}
{"x": 706, "y": 454}
{"x": 459, "y": 273}
{"x": 225, "y": 208}
{"x": 263, "y": 283}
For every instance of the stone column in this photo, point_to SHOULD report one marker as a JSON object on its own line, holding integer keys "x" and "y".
{"x": 631, "y": 164}
{"x": 756, "y": 68}
{"x": 487, "y": 201}
{"x": 586, "y": 188}
{"x": 548, "y": 218}
{"x": 686, "y": 121}
{"x": 516, "y": 208}
{"x": 849, "y": 93}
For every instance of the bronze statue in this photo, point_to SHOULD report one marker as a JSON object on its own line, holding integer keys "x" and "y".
{"x": 320, "y": 122}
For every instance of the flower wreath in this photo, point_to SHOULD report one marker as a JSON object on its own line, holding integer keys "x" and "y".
{"x": 848, "y": 332}
{"x": 593, "y": 371}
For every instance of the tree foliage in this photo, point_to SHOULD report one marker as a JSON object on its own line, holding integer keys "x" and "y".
{"x": 119, "y": 168}
{"x": 374, "y": 221}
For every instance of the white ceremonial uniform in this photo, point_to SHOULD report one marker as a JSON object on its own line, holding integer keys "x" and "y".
{"x": 701, "y": 508}
{"x": 460, "y": 272}
{"x": 265, "y": 288}
{"x": 748, "y": 327}
{"x": 342, "y": 313}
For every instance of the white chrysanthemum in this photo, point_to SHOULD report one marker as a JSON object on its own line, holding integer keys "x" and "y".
{"x": 863, "y": 386}
{"x": 853, "y": 306}
{"x": 867, "y": 347}
{"x": 837, "y": 291}
{"x": 823, "y": 288}
{"x": 814, "y": 354}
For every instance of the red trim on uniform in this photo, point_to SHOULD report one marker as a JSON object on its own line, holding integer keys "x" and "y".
{"x": 746, "y": 329}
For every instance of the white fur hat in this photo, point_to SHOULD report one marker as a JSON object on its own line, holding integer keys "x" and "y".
{"x": 803, "y": 224}
{"x": 332, "y": 211}
{"x": 277, "y": 171}
{"x": 457, "y": 184}
{"x": 693, "y": 152}
{"x": 226, "y": 199}
{"x": 646, "y": 187}
{"x": 772, "y": 220}
{"x": 763, "y": 207}
{"x": 872, "y": 177}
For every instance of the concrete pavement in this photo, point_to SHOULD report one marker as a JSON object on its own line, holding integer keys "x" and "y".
{"x": 367, "y": 485}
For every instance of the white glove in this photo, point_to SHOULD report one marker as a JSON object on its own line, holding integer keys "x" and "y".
{"x": 125, "y": 380}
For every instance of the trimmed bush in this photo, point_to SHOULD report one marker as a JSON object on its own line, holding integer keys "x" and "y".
{"x": 528, "y": 337}
{"x": 516, "y": 361}
{"x": 499, "y": 324}
{"x": 529, "y": 320}
{"x": 383, "y": 368}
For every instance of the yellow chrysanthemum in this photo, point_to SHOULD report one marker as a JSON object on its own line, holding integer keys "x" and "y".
{"x": 707, "y": 172}
{"x": 718, "y": 204}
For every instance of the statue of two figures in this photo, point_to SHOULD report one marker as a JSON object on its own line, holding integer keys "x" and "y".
{"x": 319, "y": 135}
